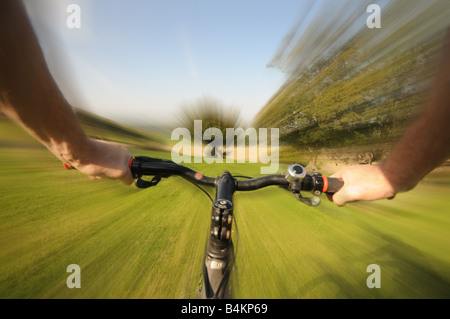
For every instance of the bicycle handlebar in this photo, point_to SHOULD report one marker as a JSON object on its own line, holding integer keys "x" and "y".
{"x": 315, "y": 182}
{"x": 296, "y": 178}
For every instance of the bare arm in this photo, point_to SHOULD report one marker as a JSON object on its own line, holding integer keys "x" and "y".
{"x": 30, "y": 97}
{"x": 424, "y": 146}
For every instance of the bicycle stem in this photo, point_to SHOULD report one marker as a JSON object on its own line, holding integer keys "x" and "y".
{"x": 222, "y": 214}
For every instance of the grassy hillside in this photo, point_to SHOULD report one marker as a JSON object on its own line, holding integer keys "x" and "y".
{"x": 341, "y": 103}
{"x": 102, "y": 128}
{"x": 362, "y": 91}
{"x": 132, "y": 243}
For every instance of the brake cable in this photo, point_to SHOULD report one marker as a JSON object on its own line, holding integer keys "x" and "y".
{"x": 201, "y": 188}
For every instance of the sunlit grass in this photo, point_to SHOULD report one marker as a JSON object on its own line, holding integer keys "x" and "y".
{"x": 132, "y": 243}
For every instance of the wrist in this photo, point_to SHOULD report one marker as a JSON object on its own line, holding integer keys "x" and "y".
{"x": 75, "y": 153}
{"x": 396, "y": 177}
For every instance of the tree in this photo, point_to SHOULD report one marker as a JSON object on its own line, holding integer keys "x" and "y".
{"x": 212, "y": 112}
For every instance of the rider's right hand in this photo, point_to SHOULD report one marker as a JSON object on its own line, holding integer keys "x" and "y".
{"x": 362, "y": 182}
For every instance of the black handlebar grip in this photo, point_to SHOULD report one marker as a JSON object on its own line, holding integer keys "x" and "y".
{"x": 332, "y": 185}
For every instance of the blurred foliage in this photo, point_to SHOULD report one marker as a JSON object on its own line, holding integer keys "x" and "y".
{"x": 338, "y": 102}
{"x": 363, "y": 91}
{"x": 211, "y": 111}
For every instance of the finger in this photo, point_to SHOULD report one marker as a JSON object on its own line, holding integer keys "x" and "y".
{"x": 128, "y": 180}
{"x": 337, "y": 197}
{"x": 340, "y": 198}
{"x": 127, "y": 177}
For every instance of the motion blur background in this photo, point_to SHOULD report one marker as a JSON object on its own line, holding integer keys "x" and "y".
{"x": 314, "y": 69}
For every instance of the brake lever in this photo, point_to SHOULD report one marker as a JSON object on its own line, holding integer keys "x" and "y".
{"x": 140, "y": 183}
{"x": 310, "y": 201}
{"x": 295, "y": 175}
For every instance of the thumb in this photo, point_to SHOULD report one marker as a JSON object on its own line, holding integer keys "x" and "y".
{"x": 339, "y": 198}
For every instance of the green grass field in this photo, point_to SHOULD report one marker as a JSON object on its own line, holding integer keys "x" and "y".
{"x": 132, "y": 243}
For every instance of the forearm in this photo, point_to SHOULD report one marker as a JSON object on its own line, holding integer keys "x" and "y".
{"x": 28, "y": 93}
{"x": 424, "y": 147}
{"x": 426, "y": 144}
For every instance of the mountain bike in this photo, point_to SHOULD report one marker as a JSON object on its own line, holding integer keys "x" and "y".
{"x": 219, "y": 253}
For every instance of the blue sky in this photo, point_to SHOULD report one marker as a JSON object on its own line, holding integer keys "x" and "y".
{"x": 142, "y": 59}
